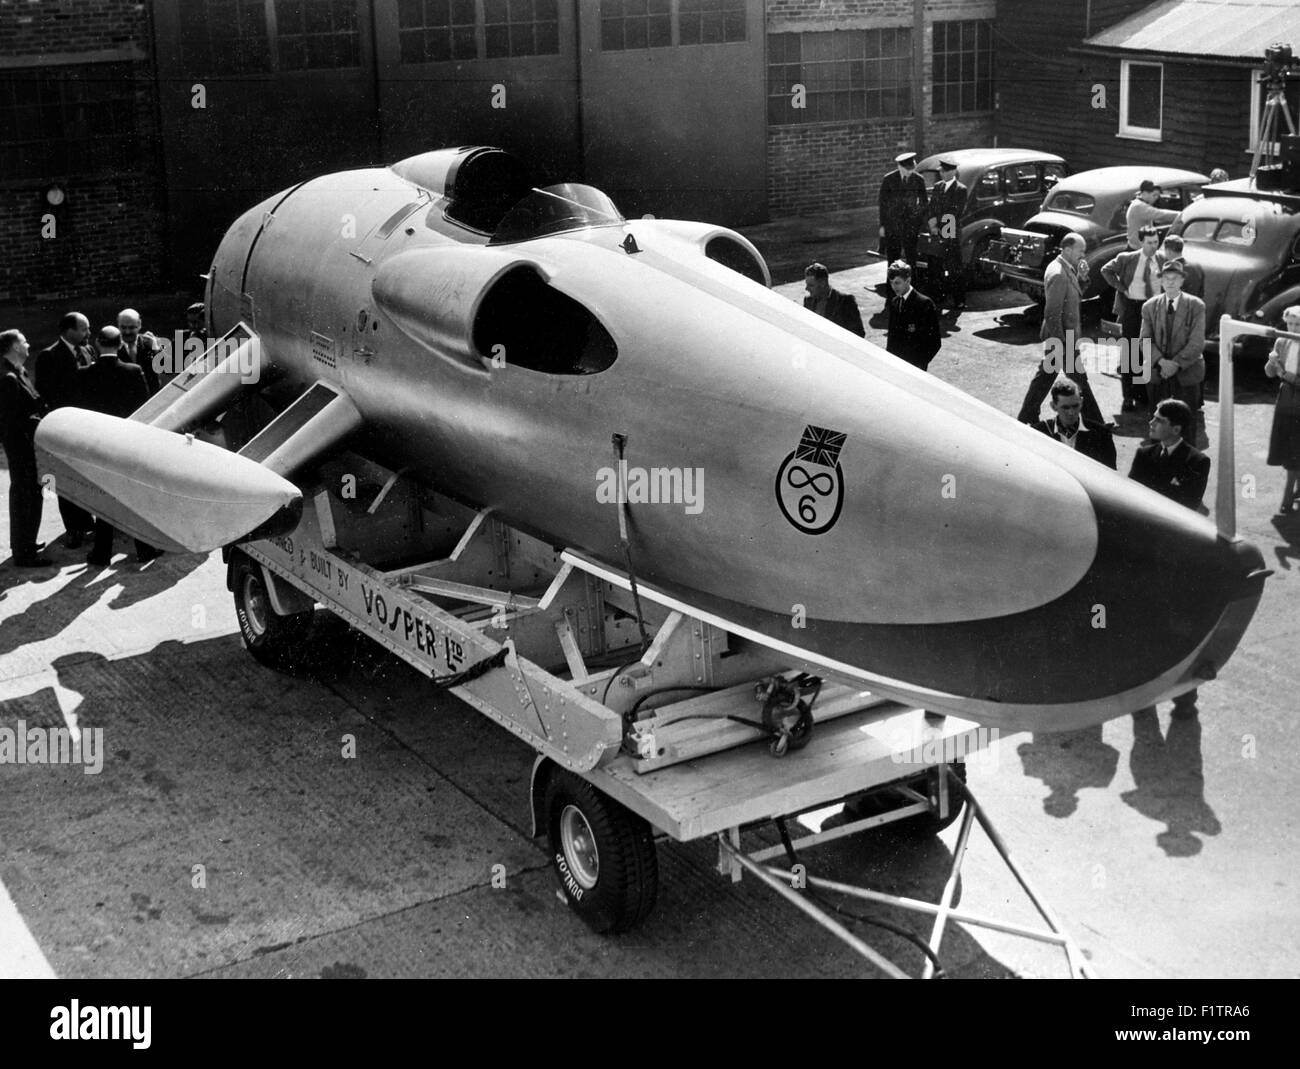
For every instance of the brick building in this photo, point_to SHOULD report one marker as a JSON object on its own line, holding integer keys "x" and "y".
{"x": 159, "y": 122}
{"x": 880, "y": 77}
{"x": 78, "y": 121}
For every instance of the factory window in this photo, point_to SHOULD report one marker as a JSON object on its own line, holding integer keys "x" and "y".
{"x": 521, "y": 28}
{"x": 314, "y": 34}
{"x": 433, "y": 31}
{"x": 226, "y": 35}
{"x": 1141, "y": 99}
{"x": 709, "y": 22}
{"x": 628, "y": 24}
{"x": 963, "y": 67}
{"x": 835, "y": 75}
{"x": 71, "y": 122}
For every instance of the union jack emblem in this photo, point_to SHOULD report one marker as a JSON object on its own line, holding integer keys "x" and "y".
{"x": 820, "y": 446}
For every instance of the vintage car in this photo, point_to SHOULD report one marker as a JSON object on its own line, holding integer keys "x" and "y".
{"x": 1247, "y": 243}
{"x": 1006, "y": 186}
{"x": 1092, "y": 204}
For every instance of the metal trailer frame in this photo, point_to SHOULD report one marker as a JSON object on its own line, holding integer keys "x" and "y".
{"x": 687, "y": 767}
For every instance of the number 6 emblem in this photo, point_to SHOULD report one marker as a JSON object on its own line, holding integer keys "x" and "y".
{"x": 810, "y": 482}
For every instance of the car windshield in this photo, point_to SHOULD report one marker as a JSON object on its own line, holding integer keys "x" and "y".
{"x": 556, "y": 210}
{"x": 1069, "y": 200}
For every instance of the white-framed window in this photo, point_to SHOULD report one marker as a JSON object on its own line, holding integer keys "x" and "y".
{"x": 1257, "y": 97}
{"x": 1141, "y": 99}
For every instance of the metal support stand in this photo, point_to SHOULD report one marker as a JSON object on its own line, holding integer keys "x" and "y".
{"x": 942, "y": 911}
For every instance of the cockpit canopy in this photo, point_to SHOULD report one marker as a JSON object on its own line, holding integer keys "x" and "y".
{"x": 556, "y": 210}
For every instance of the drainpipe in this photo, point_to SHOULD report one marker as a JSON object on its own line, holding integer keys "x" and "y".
{"x": 918, "y": 72}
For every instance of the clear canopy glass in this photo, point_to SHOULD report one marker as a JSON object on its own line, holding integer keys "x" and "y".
{"x": 556, "y": 210}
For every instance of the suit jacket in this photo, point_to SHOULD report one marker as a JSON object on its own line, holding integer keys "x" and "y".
{"x": 944, "y": 202}
{"x": 146, "y": 345}
{"x": 56, "y": 372}
{"x": 1091, "y": 440}
{"x": 1184, "y": 343}
{"x": 902, "y": 202}
{"x": 1060, "y": 301}
{"x": 20, "y": 410}
{"x": 113, "y": 386}
{"x": 842, "y": 310}
{"x": 914, "y": 332}
{"x": 1119, "y": 273}
{"x": 1181, "y": 476}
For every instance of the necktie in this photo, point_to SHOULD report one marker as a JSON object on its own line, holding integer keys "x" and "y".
{"x": 898, "y": 305}
{"x": 1146, "y": 276}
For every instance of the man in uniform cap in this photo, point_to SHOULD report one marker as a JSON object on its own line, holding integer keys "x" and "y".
{"x": 947, "y": 204}
{"x": 902, "y": 208}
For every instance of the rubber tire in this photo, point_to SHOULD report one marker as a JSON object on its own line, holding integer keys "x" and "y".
{"x": 627, "y": 877}
{"x": 928, "y": 824}
{"x": 279, "y": 642}
{"x": 921, "y": 825}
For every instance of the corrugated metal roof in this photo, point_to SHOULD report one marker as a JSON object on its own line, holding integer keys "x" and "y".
{"x": 1226, "y": 29}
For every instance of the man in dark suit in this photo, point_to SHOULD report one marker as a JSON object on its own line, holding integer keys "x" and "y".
{"x": 1173, "y": 467}
{"x": 947, "y": 205}
{"x": 1069, "y": 428}
{"x": 1174, "y": 324}
{"x": 117, "y": 388}
{"x": 1062, "y": 285}
{"x": 914, "y": 332}
{"x": 21, "y": 409}
{"x": 1135, "y": 278}
{"x": 56, "y": 382}
{"x": 138, "y": 347}
{"x": 902, "y": 208}
{"x": 840, "y": 308}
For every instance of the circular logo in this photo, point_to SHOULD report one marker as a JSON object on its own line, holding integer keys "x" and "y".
{"x": 810, "y": 495}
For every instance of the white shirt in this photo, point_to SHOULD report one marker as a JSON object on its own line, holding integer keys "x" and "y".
{"x": 1069, "y": 437}
{"x": 1137, "y": 289}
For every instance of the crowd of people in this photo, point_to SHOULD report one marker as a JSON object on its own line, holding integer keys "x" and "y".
{"x": 1157, "y": 308}
{"x": 114, "y": 372}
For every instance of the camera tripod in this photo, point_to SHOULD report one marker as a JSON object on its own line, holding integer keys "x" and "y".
{"x": 1267, "y": 148}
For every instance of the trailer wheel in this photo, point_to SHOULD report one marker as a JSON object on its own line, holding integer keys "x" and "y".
{"x": 603, "y": 854}
{"x": 276, "y": 641}
{"x": 923, "y": 824}
{"x": 928, "y": 824}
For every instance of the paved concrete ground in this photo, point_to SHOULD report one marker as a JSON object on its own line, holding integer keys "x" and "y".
{"x": 228, "y": 835}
